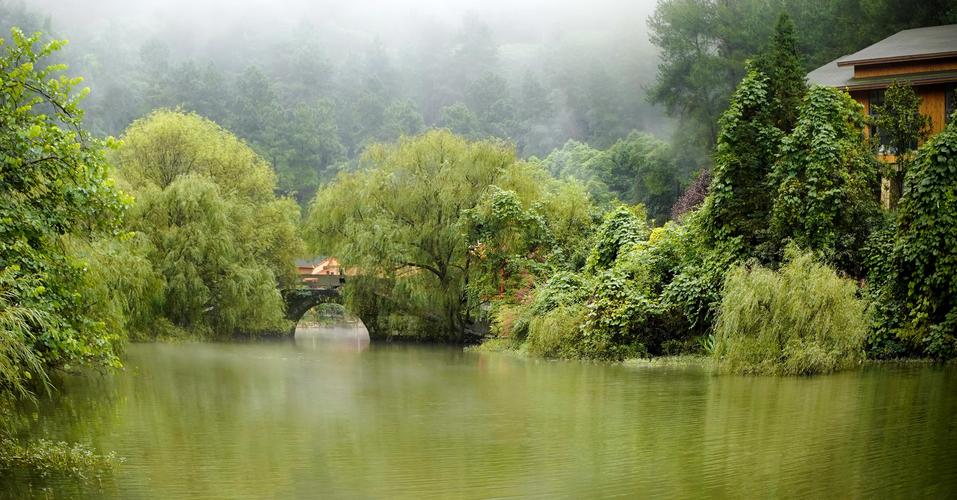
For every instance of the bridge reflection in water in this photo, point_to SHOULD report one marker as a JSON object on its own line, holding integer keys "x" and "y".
{"x": 340, "y": 337}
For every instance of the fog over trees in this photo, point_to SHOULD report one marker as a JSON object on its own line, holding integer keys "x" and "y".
{"x": 309, "y": 84}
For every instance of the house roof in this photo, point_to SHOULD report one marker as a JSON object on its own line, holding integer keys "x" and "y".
{"x": 831, "y": 75}
{"x": 313, "y": 262}
{"x": 918, "y": 43}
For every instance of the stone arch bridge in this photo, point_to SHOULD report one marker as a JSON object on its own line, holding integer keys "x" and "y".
{"x": 320, "y": 289}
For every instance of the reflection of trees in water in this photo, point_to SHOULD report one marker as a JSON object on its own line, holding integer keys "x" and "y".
{"x": 326, "y": 314}
{"x": 881, "y": 431}
{"x": 351, "y": 336}
{"x": 277, "y": 419}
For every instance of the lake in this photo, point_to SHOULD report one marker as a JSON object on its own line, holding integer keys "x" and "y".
{"x": 329, "y": 415}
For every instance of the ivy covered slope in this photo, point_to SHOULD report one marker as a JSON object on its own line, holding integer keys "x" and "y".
{"x": 54, "y": 187}
{"x": 920, "y": 301}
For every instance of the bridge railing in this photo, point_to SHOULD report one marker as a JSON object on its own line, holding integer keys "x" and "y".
{"x": 322, "y": 280}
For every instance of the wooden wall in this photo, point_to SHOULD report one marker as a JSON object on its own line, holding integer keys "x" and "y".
{"x": 905, "y": 68}
{"x": 932, "y": 104}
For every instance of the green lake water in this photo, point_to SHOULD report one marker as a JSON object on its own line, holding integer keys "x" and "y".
{"x": 330, "y": 416}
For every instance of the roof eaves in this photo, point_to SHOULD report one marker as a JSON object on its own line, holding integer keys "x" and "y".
{"x": 906, "y": 58}
{"x": 913, "y": 79}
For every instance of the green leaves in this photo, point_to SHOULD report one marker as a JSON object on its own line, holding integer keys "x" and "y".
{"x": 636, "y": 169}
{"x": 446, "y": 225}
{"x": 801, "y": 320}
{"x": 900, "y": 127}
{"x": 739, "y": 201}
{"x": 620, "y": 229}
{"x": 824, "y": 181}
{"x": 922, "y": 286}
{"x": 219, "y": 241}
{"x": 54, "y": 186}
{"x": 404, "y": 217}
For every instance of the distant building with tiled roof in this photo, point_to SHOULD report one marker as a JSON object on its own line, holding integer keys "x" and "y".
{"x": 322, "y": 271}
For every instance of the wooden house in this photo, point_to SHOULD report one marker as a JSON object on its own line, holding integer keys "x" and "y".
{"x": 925, "y": 58}
{"x": 305, "y": 267}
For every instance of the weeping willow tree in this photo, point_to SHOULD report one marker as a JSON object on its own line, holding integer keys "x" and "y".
{"x": 800, "y": 320}
{"x": 217, "y": 240}
{"x": 424, "y": 219}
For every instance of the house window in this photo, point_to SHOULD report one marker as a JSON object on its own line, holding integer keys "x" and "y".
{"x": 950, "y": 101}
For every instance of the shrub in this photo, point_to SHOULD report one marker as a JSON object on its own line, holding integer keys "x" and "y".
{"x": 629, "y": 313}
{"x": 621, "y": 228}
{"x": 561, "y": 289}
{"x": 882, "y": 341}
{"x": 825, "y": 181}
{"x": 695, "y": 290}
{"x": 620, "y": 322}
{"x": 557, "y": 333}
{"x": 801, "y": 320}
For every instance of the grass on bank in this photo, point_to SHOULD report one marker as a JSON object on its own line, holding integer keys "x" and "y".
{"x": 44, "y": 457}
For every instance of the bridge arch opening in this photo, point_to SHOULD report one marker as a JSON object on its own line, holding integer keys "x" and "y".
{"x": 329, "y": 326}
{"x": 318, "y": 293}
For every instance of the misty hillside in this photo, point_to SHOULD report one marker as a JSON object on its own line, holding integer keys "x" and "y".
{"x": 310, "y": 84}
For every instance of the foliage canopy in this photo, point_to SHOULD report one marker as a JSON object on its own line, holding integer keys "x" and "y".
{"x": 924, "y": 273}
{"x": 442, "y": 223}
{"x": 218, "y": 241}
{"x": 826, "y": 180}
{"x": 53, "y": 184}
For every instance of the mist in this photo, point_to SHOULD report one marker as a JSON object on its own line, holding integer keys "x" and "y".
{"x": 310, "y": 84}
{"x": 544, "y": 38}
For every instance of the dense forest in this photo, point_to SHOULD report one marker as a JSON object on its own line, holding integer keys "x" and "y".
{"x": 675, "y": 188}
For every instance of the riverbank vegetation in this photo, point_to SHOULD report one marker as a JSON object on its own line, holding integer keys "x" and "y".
{"x": 55, "y": 189}
{"x": 412, "y": 218}
{"x": 802, "y": 319}
{"x": 455, "y": 235}
{"x": 533, "y": 212}
{"x": 54, "y": 186}
{"x": 790, "y": 226}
